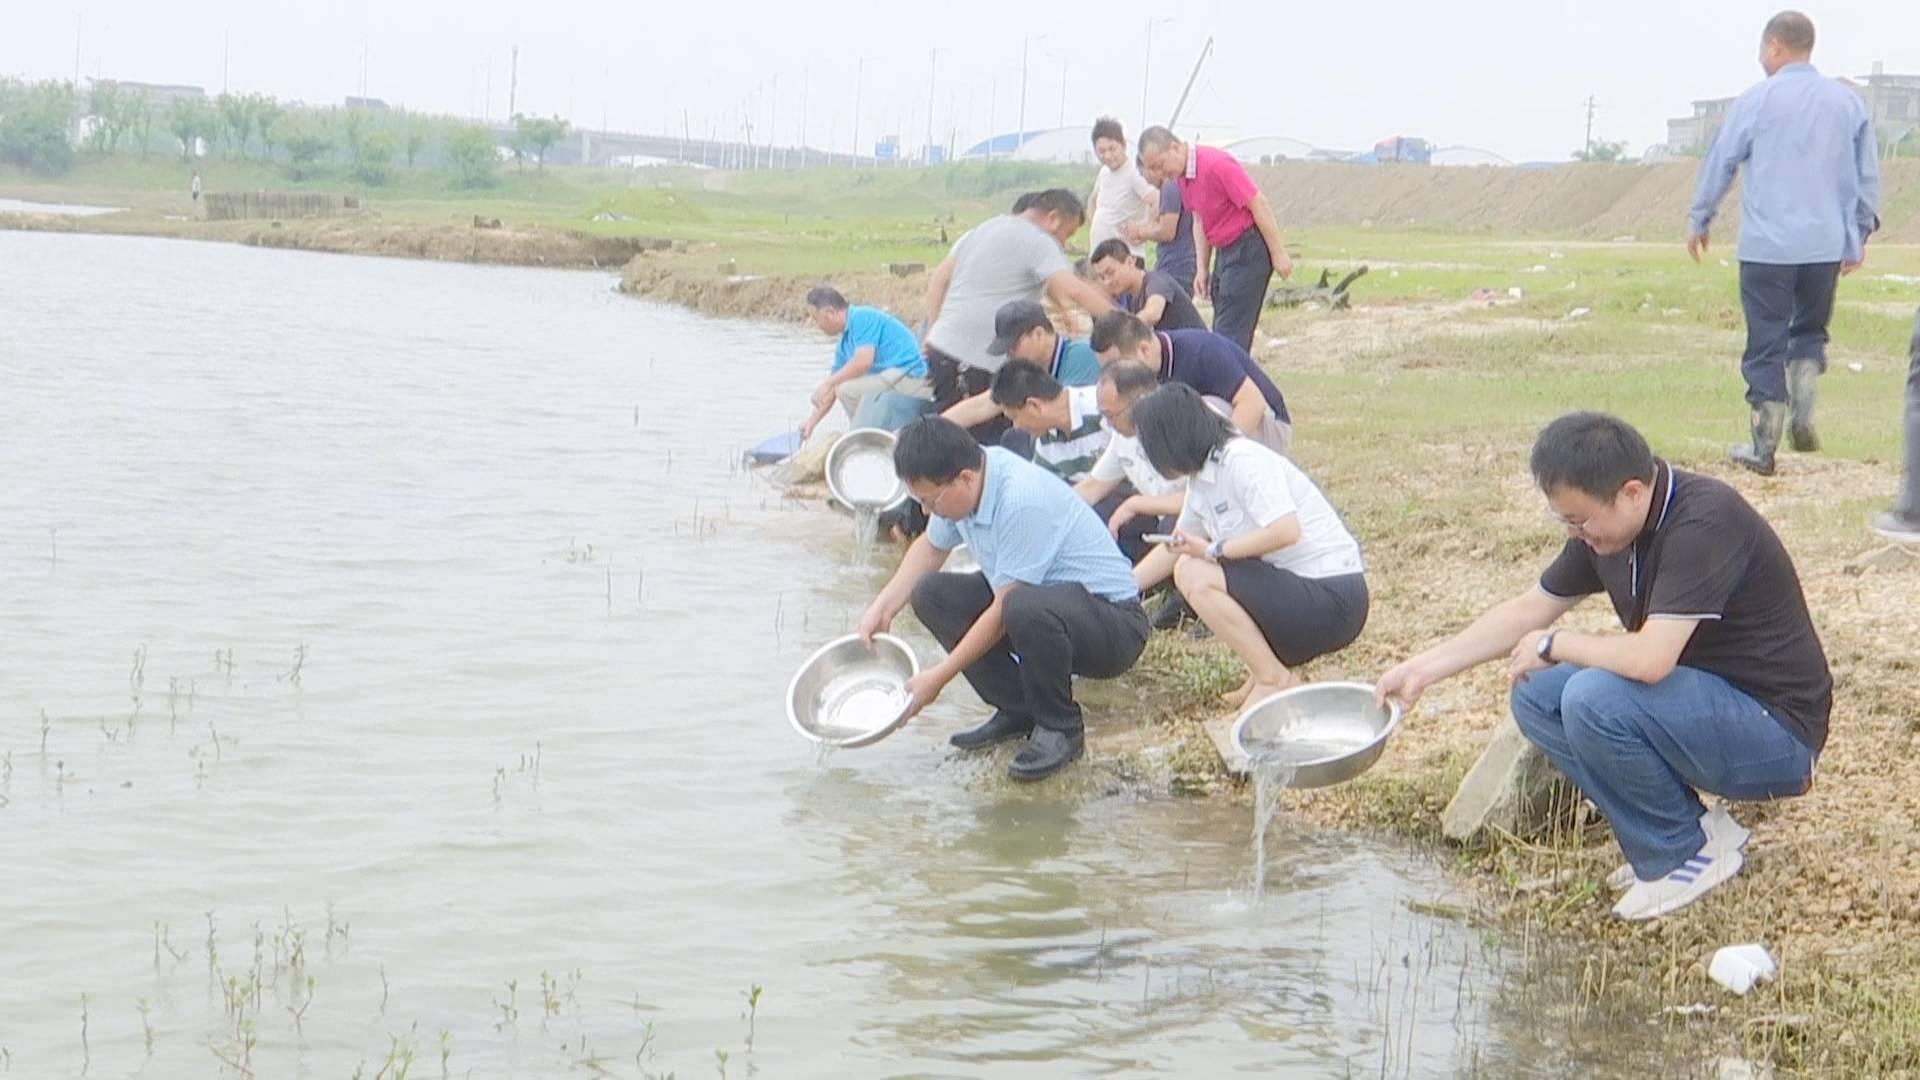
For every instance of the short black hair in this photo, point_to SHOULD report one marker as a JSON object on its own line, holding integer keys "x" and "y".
{"x": 1590, "y": 452}
{"x": 1130, "y": 379}
{"x": 1108, "y": 128}
{"x": 826, "y": 296}
{"x": 1054, "y": 201}
{"x": 1118, "y": 329}
{"x": 1155, "y": 139}
{"x": 935, "y": 449}
{"x": 1112, "y": 248}
{"x": 1017, "y": 380}
{"x": 1025, "y": 200}
{"x": 1178, "y": 432}
{"x": 1792, "y": 30}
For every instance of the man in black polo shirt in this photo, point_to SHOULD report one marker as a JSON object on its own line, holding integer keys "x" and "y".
{"x": 1151, "y": 295}
{"x": 1214, "y": 365}
{"x": 1718, "y": 683}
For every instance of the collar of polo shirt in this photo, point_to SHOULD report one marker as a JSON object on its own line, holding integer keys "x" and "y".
{"x": 992, "y": 480}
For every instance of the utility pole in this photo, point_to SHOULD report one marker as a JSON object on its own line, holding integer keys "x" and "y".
{"x": 1591, "y": 105}
{"x": 513, "y": 85}
{"x": 486, "y": 112}
{"x": 226, "y": 51}
{"x": 806, "y": 82}
{"x": 859, "y": 74}
{"x": 931, "y": 65}
{"x": 1146, "y": 71}
{"x": 773, "y": 121}
{"x": 1021, "y": 131}
{"x": 1063, "y": 92}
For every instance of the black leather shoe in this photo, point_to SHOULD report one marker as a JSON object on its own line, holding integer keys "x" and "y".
{"x": 1173, "y": 611}
{"x": 1047, "y": 752}
{"x": 999, "y": 728}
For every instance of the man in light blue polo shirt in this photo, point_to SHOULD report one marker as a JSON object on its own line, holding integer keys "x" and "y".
{"x": 876, "y": 354}
{"x": 1810, "y": 200}
{"x": 1054, "y": 597}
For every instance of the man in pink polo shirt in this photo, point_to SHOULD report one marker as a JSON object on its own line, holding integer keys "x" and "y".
{"x": 1237, "y": 229}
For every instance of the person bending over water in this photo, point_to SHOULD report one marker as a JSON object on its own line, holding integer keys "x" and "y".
{"x": 1258, "y": 552}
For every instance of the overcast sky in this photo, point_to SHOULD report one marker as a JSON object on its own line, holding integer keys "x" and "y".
{"x": 1506, "y": 75}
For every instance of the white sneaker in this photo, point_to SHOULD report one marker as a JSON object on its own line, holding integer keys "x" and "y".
{"x": 1723, "y": 834}
{"x": 1696, "y": 878}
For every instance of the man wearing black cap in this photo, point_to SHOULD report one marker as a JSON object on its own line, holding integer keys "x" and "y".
{"x": 1022, "y": 331}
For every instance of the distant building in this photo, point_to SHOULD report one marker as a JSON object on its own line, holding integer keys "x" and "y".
{"x": 1893, "y": 101}
{"x": 1694, "y": 134}
{"x": 1267, "y": 149}
{"x": 1064, "y": 146}
{"x": 367, "y": 104}
{"x": 160, "y": 96}
{"x": 1467, "y": 157}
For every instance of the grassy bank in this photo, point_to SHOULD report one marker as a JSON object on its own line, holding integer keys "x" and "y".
{"x": 1415, "y": 411}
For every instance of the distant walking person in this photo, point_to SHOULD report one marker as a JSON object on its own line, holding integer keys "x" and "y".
{"x": 1902, "y": 523}
{"x": 1171, "y": 232}
{"x": 1810, "y": 201}
{"x": 1123, "y": 202}
{"x": 1015, "y": 256}
{"x": 1238, "y": 236}
{"x": 194, "y": 188}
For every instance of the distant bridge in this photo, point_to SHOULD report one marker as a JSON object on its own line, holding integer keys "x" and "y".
{"x": 585, "y": 146}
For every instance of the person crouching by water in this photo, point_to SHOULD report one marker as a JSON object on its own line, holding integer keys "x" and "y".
{"x": 1053, "y": 598}
{"x": 1258, "y": 552}
{"x": 1718, "y": 683}
{"x": 875, "y": 355}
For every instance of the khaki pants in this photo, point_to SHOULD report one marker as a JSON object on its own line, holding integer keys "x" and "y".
{"x": 852, "y": 392}
{"x": 1273, "y": 433}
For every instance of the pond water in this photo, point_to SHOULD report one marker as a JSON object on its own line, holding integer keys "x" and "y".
{"x": 394, "y": 668}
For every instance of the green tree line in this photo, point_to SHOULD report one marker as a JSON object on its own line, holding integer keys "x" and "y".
{"x": 47, "y": 126}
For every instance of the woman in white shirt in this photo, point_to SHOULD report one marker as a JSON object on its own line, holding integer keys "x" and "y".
{"x": 1259, "y": 553}
{"x": 1121, "y": 196}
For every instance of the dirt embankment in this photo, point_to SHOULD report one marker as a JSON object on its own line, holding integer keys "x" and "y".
{"x": 684, "y": 280}
{"x": 501, "y": 244}
{"x": 1596, "y": 201}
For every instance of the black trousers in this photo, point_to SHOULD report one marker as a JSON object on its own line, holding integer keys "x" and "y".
{"x": 1241, "y": 271}
{"x": 953, "y": 382}
{"x": 1054, "y": 632}
{"x": 1788, "y": 308}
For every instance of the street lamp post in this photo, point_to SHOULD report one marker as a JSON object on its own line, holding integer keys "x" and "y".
{"x": 1147, "y": 71}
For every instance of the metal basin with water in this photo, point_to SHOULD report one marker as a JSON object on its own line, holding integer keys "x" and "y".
{"x": 961, "y": 561}
{"x": 1327, "y": 733}
{"x": 860, "y": 472}
{"x": 848, "y": 695}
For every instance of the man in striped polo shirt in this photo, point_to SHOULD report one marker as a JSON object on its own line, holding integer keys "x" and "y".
{"x": 1060, "y": 428}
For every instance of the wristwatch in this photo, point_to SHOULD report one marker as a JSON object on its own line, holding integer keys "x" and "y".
{"x": 1213, "y": 550}
{"x": 1545, "y": 648}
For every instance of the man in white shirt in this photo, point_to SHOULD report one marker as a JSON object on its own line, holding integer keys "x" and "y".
{"x": 1121, "y": 196}
{"x": 1141, "y": 501}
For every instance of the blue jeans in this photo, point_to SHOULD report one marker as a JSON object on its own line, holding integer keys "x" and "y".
{"x": 889, "y": 411}
{"x": 1640, "y": 751}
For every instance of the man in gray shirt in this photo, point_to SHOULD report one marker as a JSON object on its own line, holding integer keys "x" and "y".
{"x": 1809, "y": 203}
{"x": 1016, "y": 256}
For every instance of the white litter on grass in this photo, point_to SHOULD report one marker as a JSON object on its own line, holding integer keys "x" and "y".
{"x": 1534, "y": 270}
{"x": 1901, "y": 279}
{"x": 1517, "y": 292}
{"x": 1740, "y": 967}
{"x": 1555, "y": 255}
{"x": 1856, "y": 366}
{"x": 1579, "y": 313}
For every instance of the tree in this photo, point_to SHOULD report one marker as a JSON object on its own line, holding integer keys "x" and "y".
{"x": 34, "y": 126}
{"x": 307, "y": 138}
{"x": 190, "y": 120}
{"x": 238, "y": 118}
{"x": 1603, "y": 150}
{"x": 107, "y": 106}
{"x": 471, "y": 150}
{"x": 372, "y": 156}
{"x": 417, "y": 130}
{"x": 535, "y": 134}
{"x": 140, "y": 119}
{"x": 266, "y": 113}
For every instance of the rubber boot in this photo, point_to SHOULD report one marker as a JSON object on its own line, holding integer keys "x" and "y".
{"x": 1769, "y": 418}
{"x": 1803, "y": 388}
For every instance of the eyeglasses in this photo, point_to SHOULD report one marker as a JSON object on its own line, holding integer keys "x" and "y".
{"x": 927, "y": 502}
{"x": 1572, "y": 525}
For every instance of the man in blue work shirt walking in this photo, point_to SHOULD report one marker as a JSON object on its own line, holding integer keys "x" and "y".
{"x": 1810, "y": 201}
